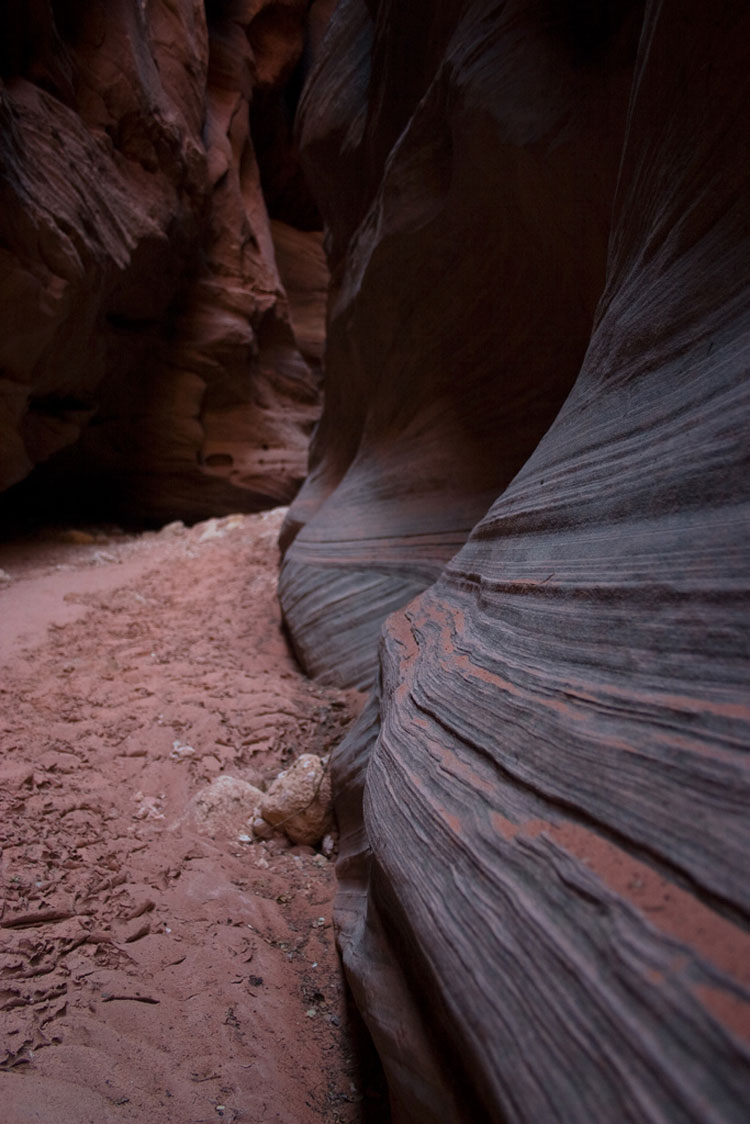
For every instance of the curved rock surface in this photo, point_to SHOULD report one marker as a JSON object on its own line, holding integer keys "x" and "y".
{"x": 526, "y": 520}
{"x": 147, "y": 345}
{"x": 467, "y": 226}
{"x": 544, "y": 808}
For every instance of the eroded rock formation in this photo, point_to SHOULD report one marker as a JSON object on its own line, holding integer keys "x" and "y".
{"x": 532, "y": 461}
{"x": 147, "y": 345}
{"x": 544, "y": 900}
{"x": 451, "y": 205}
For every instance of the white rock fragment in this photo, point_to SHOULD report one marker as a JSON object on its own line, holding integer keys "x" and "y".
{"x": 211, "y": 531}
{"x": 149, "y": 807}
{"x": 180, "y": 751}
{"x": 175, "y": 528}
{"x": 233, "y": 522}
{"x": 218, "y": 528}
{"x": 261, "y": 829}
{"x": 299, "y": 801}
{"x": 5, "y": 577}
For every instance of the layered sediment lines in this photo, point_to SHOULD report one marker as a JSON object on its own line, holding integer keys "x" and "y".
{"x": 451, "y": 204}
{"x": 148, "y": 357}
{"x": 544, "y": 808}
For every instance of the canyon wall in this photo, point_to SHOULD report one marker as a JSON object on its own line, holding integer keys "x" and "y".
{"x": 465, "y": 167}
{"x": 533, "y": 462}
{"x": 148, "y": 360}
{"x": 525, "y": 523}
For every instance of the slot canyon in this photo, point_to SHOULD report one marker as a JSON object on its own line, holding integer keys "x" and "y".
{"x": 374, "y": 419}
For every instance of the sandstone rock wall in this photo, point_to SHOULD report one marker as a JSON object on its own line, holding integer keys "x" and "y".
{"x": 538, "y": 209}
{"x": 467, "y": 224}
{"x": 147, "y": 346}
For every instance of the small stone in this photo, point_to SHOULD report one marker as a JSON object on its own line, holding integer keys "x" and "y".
{"x": 233, "y": 522}
{"x": 149, "y": 807}
{"x": 222, "y": 809}
{"x": 175, "y": 528}
{"x": 298, "y": 802}
{"x": 180, "y": 751}
{"x": 5, "y": 577}
{"x": 211, "y": 530}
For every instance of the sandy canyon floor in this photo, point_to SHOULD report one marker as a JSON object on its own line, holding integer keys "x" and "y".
{"x": 150, "y": 971}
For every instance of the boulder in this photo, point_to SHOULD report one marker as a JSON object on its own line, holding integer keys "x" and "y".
{"x": 225, "y": 808}
{"x": 298, "y": 801}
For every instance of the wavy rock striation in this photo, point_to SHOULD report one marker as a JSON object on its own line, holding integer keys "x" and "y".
{"x": 544, "y": 808}
{"x": 147, "y": 345}
{"x": 451, "y": 204}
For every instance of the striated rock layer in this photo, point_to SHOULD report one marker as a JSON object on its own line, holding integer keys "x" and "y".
{"x": 544, "y": 808}
{"x": 467, "y": 235}
{"x": 146, "y": 345}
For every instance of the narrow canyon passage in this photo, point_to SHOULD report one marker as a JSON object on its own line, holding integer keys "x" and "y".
{"x": 458, "y": 295}
{"x": 155, "y": 967}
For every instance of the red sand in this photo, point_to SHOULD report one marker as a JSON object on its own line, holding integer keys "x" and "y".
{"x": 150, "y": 973}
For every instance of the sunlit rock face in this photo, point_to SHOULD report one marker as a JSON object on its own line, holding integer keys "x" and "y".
{"x": 544, "y": 903}
{"x": 147, "y": 357}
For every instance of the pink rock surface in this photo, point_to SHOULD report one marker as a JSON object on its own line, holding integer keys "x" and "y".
{"x": 146, "y": 343}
